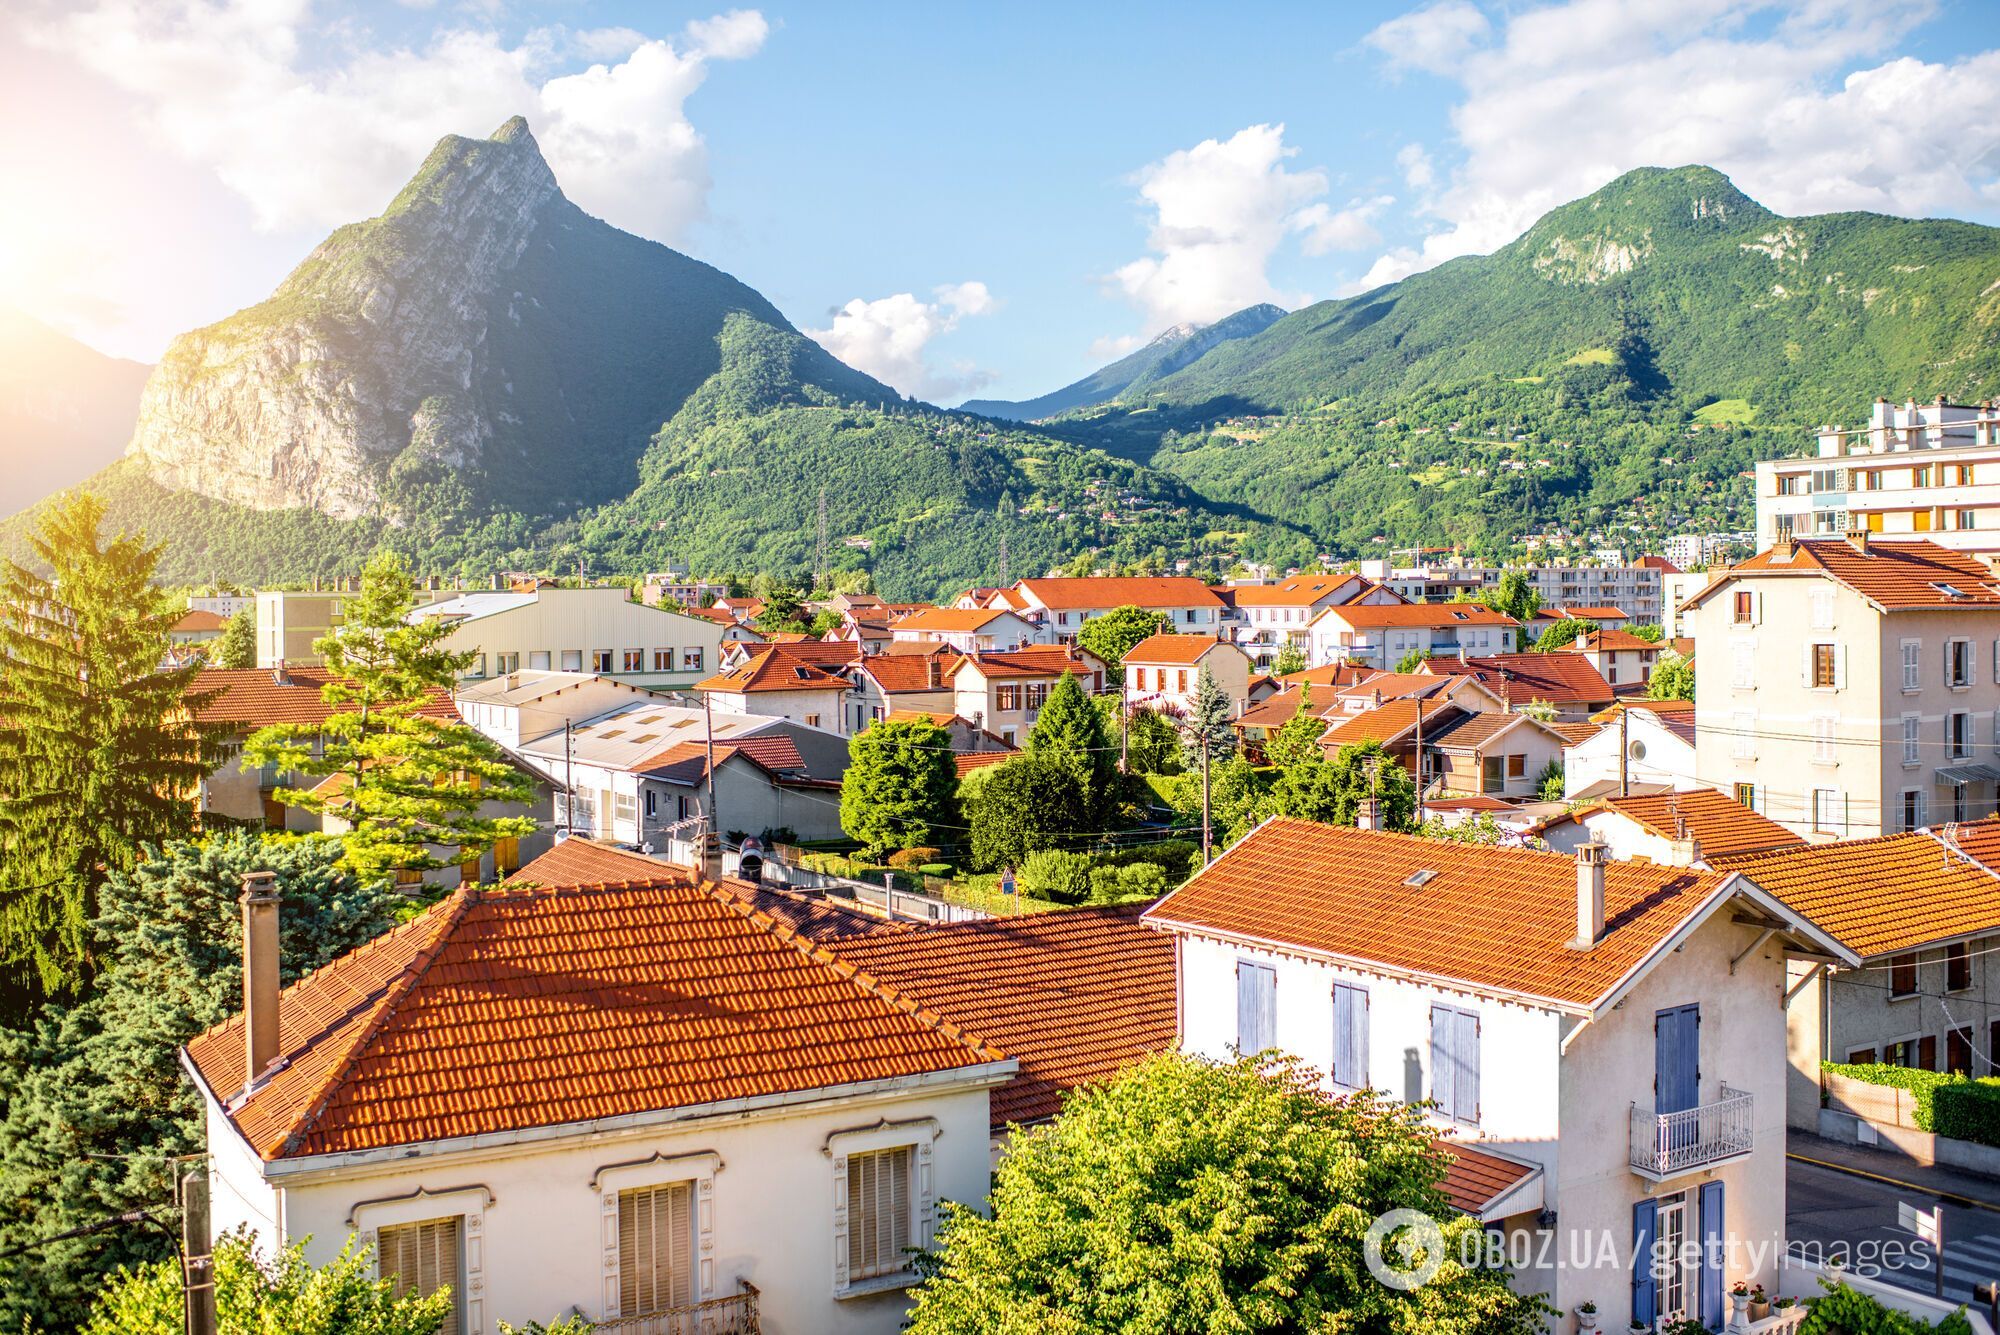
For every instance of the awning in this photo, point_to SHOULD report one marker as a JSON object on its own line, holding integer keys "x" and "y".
{"x": 1956, "y": 774}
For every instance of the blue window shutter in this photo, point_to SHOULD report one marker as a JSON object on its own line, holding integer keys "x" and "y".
{"x": 1363, "y": 1070}
{"x": 1644, "y": 1288}
{"x": 1444, "y": 1065}
{"x": 1711, "y": 1255}
{"x": 1350, "y": 1036}
{"x": 1256, "y": 1007}
{"x": 1467, "y": 1049}
{"x": 1267, "y": 1007}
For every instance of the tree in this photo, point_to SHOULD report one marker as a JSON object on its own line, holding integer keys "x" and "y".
{"x": 1514, "y": 596}
{"x": 1021, "y": 806}
{"x": 1672, "y": 678}
{"x": 1188, "y": 1195}
{"x": 1541, "y": 711}
{"x": 237, "y": 648}
{"x": 255, "y": 1295}
{"x": 1649, "y": 633}
{"x": 1564, "y": 633}
{"x": 97, "y": 1105}
{"x": 1211, "y": 737}
{"x": 1112, "y": 635}
{"x": 100, "y": 753}
{"x": 1299, "y": 738}
{"x": 1364, "y": 769}
{"x": 410, "y": 782}
{"x": 1549, "y": 787}
{"x": 1291, "y": 658}
{"x": 898, "y": 786}
{"x": 1412, "y": 660}
{"x": 1153, "y": 742}
{"x": 1070, "y": 733}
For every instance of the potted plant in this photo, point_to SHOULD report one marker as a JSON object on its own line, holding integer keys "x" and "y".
{"x": 1586, "y": 1315}
{"x": 1739, "y": 1303}
{"x": 1760, "y": 1306}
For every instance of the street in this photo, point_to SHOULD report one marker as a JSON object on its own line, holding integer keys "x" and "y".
{"x": 1831, "y": 1213}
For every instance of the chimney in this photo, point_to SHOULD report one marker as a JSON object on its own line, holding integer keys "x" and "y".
{"x": 1368, "y": 814}
{"x": 1781, "y": 548}
{"x": 931, "y": 672}
{"x": 1589, "y": 895}
{"x": 1857, "y": 538}
{"x": 1686, "y": 851}
{"x": 279, "y": 676}
{"x": 498, "y": 583}
{"x": 260, "y": 977}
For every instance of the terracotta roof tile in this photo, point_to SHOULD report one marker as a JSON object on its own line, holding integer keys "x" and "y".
{"x": 1389, "y": 722}
{"x": 1492, "y": 918}
{"x": 1561, "y": 679}
{"x": 1173, "y": 649}
{"x": 773, "y": 669}
{"x": 1597, "y": 641}
{"x": 1891, "y": 574}
{"x": 1300, "y": 592}
{"x": 199, "y": 619}
{"x": 250, "y": 698}
{"x": 967, "y": 761}
{"x": 1332, "y": 674}
{"x": 1105, "y": 591}
{"x": 937, "y": 621}
{"x": 1037, "y": 660}
{"x": 1725, "y": 827}
{"x": 1475, "y": 1179}
{"x": 899, "y": 674}
{"x": 1446, "y": 615}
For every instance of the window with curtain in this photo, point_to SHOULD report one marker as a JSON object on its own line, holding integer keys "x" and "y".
{"x": 423, "y": 1258}
{"x": 656, "y": 1248}
{"x": 878, "y": 1213}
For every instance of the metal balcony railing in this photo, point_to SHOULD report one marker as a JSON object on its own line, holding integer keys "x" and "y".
{"x": 735, "y": 1314}
{"x": 1666, "y": 1145}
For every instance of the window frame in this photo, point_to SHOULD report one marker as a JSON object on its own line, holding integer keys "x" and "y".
{"x": 611, "y": 1181}
{"x": 915, "y": 1136}
{"x": 1957, "y": 967}
{"x": 1904, "y": 976}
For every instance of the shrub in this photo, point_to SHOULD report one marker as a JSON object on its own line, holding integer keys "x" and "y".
{"x": 912, "y": 857}
{"x": 1844, "y": 1310}
{"x": 1947, "y": 1104}
{"x": 1052, "y": 874}
{"x": 1137, "y": 880}
{"x": 938, "y": 869}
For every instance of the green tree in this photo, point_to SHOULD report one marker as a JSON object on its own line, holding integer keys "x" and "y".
{"x": 1542, "y": 711}
{"x": 1412, "y": 660}
{"x": 255, "y": 1295}
{"x": 1299, "y": 738}
{"x": 97, "y": 1105}
{"x": 1364, "y": 769}
{"x": 1187, "y": 1195}
{"x": 1112, "y": 635}
{"x": 1649, "y": 633}
{"x": 237, "y": 648}
{"x": 898, "y": 787}
{"x": 1672, "y": 678}
{"x": 1291, "y": 658}
{"x": 1069, "y": 732}
{"x": 1210, "y": 718}
{"x": 1513, "y": 596}
{"x": 1021, "y": 806}
{"x": 411, "y": 782}
{"x": 1153, "y": 743}
{"x": 1562, "y": 634}
{"x": 1549, "y": 787}
{"x": 99, "y": 754}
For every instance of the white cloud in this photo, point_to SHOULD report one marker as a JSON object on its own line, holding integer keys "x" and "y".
{"x": 1221, "y": 209}
{"x": 889, "y": 338}
{"x": 226, "y": 84}
{"x": 1415, "y": 164}
{"x": 1352, "y": 228}
{"x": 1436, "y": 38}
{"x": 1573, "y": 94}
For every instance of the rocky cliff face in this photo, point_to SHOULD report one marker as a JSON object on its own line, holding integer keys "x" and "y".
{"x": 483, "y": 336}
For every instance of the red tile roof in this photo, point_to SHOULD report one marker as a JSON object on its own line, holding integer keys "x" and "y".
{"x": 967, "y": 761}
{"x": 250, "y": 698}
{"x": 1725, "y": 827}
{"x": 899, "y": 674}
{"x": 1174, "y": 649}
{"x": 773, "y": 669}
{"x": 1280, "y": 709}
{"x": 196, "y": 619}
{"x": 1332, "y": 674}
{"x": 937, "y": 621}
{"x": 687, "y": 762}
{"x": 1892, "y": 575}
{"x": 1498, "y": 919}
{"x": 1097, "y": 591}
{"x": 1475, "y": 1179}
{"x": 1390, "y": 722}
{"x": 1659, "y": 563}
{"x": 1474, "y": 732}
{"x": 1040, "y": 660}
{"x": 1365, "y": 615}
{"x": 1560, "y": 679}
{"x": 1300, "y": 592}
{"x": 1600, "y": 640}
{"x": 1599, "y": 612}
{"x": 505, "y": 1010}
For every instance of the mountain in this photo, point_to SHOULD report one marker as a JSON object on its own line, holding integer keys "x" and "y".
{"x": 1807, "y": 317}
{"x": 482, "y": 329}
{"x": 66, "y": 410}
{"x": 1178, "y": 347}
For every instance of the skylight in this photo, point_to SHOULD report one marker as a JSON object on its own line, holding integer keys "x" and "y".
{"x": 1948, "y": 590}
{"x": 1420, "y": 878}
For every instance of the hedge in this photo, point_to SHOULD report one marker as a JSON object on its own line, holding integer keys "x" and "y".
{"x": 1844, "y": 1311}
{"x": 1947, "y": 1103}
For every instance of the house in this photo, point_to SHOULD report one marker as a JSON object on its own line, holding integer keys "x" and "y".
{"x": 1383, "y": 636}
{"x": 1625, "y": 1009}
{"x": 601, "y": 631}
{"x": 1061, "y": 606}
{"x": 779, "y": 1136}
{"x": 1263, "y": 618}
{"x": 1623, "y": 659}
{"x": 1004, "y": 692}
{"x": 778, "y": 684}
{"x": 1257, "y": 723}
{"x": 1849, "y": 685}
{"x": 1920, "y": 913}
{"x": 1467, "y": 692}
{"x": 1404, "y": 729}
{"x": 1494, "y": 755}
{"x": 733, "y": 631}
{"x": 968, "y": 631}
{"x": 1655, "y": 739}
{"x": 1162, "y": 671}
{"x": 887, "y": 683}
{"x": 741, "y": 609}
{"x": 1696, "y": 828}
{"x": 196, "y": 627}
{"x": 1569, "y": 683}
{"x": 527, "y": 703}
{"x": 1605, "y": 615}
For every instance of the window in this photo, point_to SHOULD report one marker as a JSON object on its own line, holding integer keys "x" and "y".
{"x": 1828, "y": 811}
{"x": 812, "y": 720}
{"x": 600, "y": 660}
{"x": 1350, "y": 1036}
{"x": 1744, "y": 675}
{"x": 1912, "y": 739}
{"x": 1822, "y": 609}
{"x": 1006, "y": 699}
{"x": 1912, "y": 664}
{"x": 1958, "y": 734}
{"x": 878, "y": 1213}
{"x": 1823, "y": 726}
{"x": 1035, "y": 695}
{"x": 1490, "y": 777}
{"x": 634, "y": 660}
{"x": 506, "y": 663}
{"x": 1517, "y": 766}
{"x": 538, "y": 660}
{"x": 652, "y": 802}
{"x": 1913, "y": 809}
{"x": 656, "y": 1248}
{"x": 1957, "y": 967}
{"x": 1745, "y": 607}
{"x": 663, "y": 660}
{"x": 1455, "y": 1063}
{"x": 478, "y": 666}
{"x": 1958, "y": 1050}
{"x": 625, "y": 808}
{"x": 1920, "y": 477}
{"x": 1920, "y": 521}
{"x": 1673, "y": 1248}
{"x": 1746, "y": 794}
{"x": 1256, "y": 1007}
{"x": 572, "y": 660}
{"x": 1861, "y": 1057}
{"x": 1824, "y": 657}
{"x": 1958, "y": 663}
{"x": 691, "y": 659}
{"x": 423, "y": 1258}
{"x": 1965, "y": 519}
{"x": 1742, "y": 734}
{"x": 1903, "y": 976}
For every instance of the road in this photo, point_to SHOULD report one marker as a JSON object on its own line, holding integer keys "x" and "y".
{"x": 1856, "y": 1216}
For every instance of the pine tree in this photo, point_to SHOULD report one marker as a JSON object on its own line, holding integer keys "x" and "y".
{"x": 100, "y": 754}
{"x": 409, "y": 782}
{"x": 898, "y": 786}
{"x": 1070, "y": 733}
{"x": 238, "y": 646}
{"x": 1210, "y": 717}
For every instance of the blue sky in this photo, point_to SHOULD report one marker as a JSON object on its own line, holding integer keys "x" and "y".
{"x": 959, "y": 199}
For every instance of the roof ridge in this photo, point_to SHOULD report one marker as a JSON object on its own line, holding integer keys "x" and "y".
{"x": 790, "y": 935}
{"x": 397, "y": 988}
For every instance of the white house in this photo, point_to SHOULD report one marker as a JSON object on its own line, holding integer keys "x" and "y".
{"x": 1263, "y": 618}
{"x": 1376, "y": 635}
{"x": 1657, "y": 742}
{"x": 966, "y": 630}
{"x": 1610, "y": 1029}
{"x": 1697, "y": 828}
{"x": 1622, "y": 658}
{"x": 601, "y": 631}
{"x": 1004, "y": 693}
{"x": 777, "y": 684}
{"x": 625, "y": 1093}
{"x": 1161, "y": 672}
{"x": 1061, "y": 606}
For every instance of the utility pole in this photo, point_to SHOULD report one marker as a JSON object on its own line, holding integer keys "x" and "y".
{"x": 1124, "y": 732}
{"x": 1624, "y": 743}
{"x": 1204, "y": 799}
{"x": 1420, "y": 762}
{"x": 197, "y": 1258}
{"x": 711, "y": 843}
{"x": 569, "y": 779}
{"x": 1003, "y": 582}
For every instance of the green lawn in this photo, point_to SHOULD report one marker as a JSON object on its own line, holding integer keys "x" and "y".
{"x": 1726, "y": 410}
{"x": 1591, "y": 357}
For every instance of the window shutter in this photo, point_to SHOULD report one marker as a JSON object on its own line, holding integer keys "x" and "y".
{"x": 423, "y": 1258}
{"x": 1467, "y": 1051}
{"x": 1256, "y": 1007}
{"x": 878, "y": 1213}
{"x": 1840, "y": 667}
{"x": 1444, "y": 1064}
{"x": 1711, "y": 1255}
{"x": 1756, "y": 609}
{"x": 1644, "y": 1287}
{"x": 655, "y": 1248}
{"x": 1350, "y": 1036}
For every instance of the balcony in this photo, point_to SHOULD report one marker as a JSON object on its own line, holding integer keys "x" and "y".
{"x": 735, "y": 1314}
{"x": 1666, "y": 1145}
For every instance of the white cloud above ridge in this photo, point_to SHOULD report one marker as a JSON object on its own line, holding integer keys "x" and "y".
{"x": 226, "y": 85}
{"x": 889, "y": 338}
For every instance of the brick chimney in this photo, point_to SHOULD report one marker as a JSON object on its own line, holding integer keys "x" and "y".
{"x": 1857, "y": 538}
{"x": 1368, "y": 814}
{"x": 933, "y": 674}
{"x": 1589, "y": 895}
{"x": 260, "y": 977}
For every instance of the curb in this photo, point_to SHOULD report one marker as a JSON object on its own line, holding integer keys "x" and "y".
{"x": 1951, "y": 1197}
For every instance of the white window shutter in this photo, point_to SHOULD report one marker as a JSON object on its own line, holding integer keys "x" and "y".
{"x": 1840, "y": 667}
{"x": 1756, "y": 609}
{"x": 1805, "y": 664}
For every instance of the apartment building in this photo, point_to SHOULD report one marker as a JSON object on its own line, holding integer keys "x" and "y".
{"x": 1264, "y": 618}
{"x": 1849, "y": 687}
{"x": 1060, "y": 606}
{"x": 600, "y": 631}
{"x": 1929, "y": 469}
{"x": 967, "y": 630}
{"x": 1379, "y": 636}
{"x": 1634, "y": 587}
